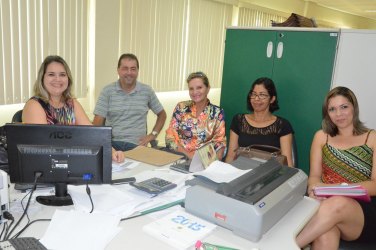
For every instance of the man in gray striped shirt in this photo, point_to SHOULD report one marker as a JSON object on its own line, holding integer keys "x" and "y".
{"x": 124, "y": 105}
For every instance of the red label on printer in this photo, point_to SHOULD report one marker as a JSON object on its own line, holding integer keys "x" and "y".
{"x": 220, "y": 216}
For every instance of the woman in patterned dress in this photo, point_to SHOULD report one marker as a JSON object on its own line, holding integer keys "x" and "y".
{"x": 341, "y": 153}
{"x": 197, "y": 121}
{"x": 53, "y": 102}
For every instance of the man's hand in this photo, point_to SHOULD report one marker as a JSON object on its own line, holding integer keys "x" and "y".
{"x": 146, "y": 139}
{"x": 117, "y": 156}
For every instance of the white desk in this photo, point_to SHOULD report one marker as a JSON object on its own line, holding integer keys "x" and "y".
{"x": 281, "y": 236}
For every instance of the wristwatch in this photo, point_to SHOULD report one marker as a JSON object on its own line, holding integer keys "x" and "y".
{"x": 155, "y": 133}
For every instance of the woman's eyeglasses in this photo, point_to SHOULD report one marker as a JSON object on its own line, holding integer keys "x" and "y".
{"x": 260, "y": 96}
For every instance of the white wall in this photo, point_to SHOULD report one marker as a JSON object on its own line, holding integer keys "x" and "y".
{"x": 355, "y": 69}
{"x": 7, "y": 112}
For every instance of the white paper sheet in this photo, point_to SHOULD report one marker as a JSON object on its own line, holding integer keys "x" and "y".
{"x": 221, "y": 172}
{"x": 75, "y": 230}
{"x": 106, "y": 199}
{"x": 125, "y": 200}
{"x": 125, "y": 165}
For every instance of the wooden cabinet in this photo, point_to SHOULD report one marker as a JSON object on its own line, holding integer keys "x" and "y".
{"x": 300, "y": 62}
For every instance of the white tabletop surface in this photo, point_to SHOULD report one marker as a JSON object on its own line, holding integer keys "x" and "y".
{"x": 281, "y": 236}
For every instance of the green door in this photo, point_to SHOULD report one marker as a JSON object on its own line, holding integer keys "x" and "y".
{"x": 302, "y": 73}
{"x": 245, "y": 59}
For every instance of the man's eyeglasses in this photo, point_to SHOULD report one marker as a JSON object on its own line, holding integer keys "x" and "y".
{"x": 260, "y": 96}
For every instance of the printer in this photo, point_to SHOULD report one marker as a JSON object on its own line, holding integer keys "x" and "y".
{"x": 251, "y": 204}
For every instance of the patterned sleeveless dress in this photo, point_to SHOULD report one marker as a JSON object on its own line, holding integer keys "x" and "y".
{"x": 346, "y": 165}
{"x": 63, "y": 116}
{"x": 351, "y": 166}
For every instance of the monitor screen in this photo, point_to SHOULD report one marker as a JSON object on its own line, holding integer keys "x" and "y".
{"x": 61, "y": 155}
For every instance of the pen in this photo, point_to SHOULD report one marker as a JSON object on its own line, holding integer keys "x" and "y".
{"x": 123, "y": 181}
{"x": 162, "y": 207}
{"x": 207, "y": 246}
{"x": 155, "y": 209}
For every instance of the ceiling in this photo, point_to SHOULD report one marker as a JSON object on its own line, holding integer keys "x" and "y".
{"x": 364, "y": 8}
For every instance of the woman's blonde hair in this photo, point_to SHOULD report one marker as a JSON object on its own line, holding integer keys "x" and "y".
{"x": 40, "y": 90}
{"x": 328, "y": 126}
{"x": 200, "y": 75}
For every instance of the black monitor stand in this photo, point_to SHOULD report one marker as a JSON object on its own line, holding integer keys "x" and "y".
{"x": 61, "y": 197}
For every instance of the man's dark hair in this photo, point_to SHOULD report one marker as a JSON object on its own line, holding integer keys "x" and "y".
{"x": 130, "y": 57}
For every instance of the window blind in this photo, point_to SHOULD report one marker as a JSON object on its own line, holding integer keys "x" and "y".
{"x": 206, "y": 39}
{"x": 155, "y": 32}
{"x": 257, "y": 18}
{"x": 32, "y": 30}
{"x": 172, "y": 38}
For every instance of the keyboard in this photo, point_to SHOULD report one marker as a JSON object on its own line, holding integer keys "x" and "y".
{"x": 181, "y": 167}
{"x": 23, "y": 243}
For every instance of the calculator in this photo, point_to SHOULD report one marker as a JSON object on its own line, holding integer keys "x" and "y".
{"x": 22, "y": 244}
{"x": 154, "y": 185}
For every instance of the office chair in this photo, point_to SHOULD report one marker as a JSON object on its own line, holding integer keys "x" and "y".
{"x": 17, "y": 117}
{"x": 294, "y": 152}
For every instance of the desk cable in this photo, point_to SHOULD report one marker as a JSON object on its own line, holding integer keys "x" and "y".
{"x": 6, "y": 228}
{"x": 27, "y": 225}
{"x": 88, "y": 191}
{"x": 89, "y": 194}
{"x": 10, "y": 229}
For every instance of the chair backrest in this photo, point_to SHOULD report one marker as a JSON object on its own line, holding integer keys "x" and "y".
{"x": 294, "y": 153}
{"x": 17, "y": 117}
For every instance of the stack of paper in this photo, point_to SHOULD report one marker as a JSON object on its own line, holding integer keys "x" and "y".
{"x": 353, "y": 191}
{"x": 179, "y": 229}
{"x": 80, "y": 231}
{"x": 106, "y": 199}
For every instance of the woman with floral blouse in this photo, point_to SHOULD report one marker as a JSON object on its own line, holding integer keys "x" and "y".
{"x": 197, "y": 122}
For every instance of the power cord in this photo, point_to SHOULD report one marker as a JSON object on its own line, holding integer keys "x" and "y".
{"x": 6, "y": 228}
{"x": 87, "y": 178}
{"x": 88, "y": 191}
{"x": 27, "y": 225}
{"x": 22, "y": 205}
{"x": 7, "y": 235}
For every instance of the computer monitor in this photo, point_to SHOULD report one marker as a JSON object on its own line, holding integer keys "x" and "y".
{"x": 61, "y": 154}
